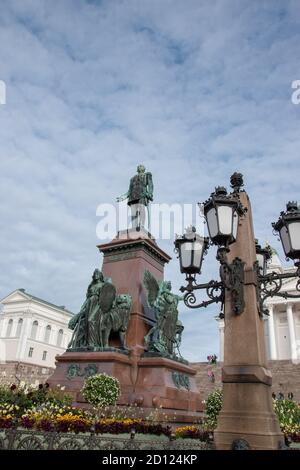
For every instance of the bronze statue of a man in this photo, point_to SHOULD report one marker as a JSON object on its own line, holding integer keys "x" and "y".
{"x": 139, "y": 195}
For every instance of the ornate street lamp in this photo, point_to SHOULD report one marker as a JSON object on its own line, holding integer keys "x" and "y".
{"x": 222, "y": 217}
{"x": 191, "y": 248}
{"x": 288, "y": 226}
{"x": 222, "y": 212}
{"x": 262, "y": 257}
{"x": 270, "y": 285}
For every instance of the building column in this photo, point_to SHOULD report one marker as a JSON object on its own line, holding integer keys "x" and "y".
{"x": 25, "y": 333}
{"x": 293, "y": 344}
{"x": 41, "y": 331}
{"x": 13, "y": 332}
{"x": 272, "y": 340}
{"x": 3, "y": 327}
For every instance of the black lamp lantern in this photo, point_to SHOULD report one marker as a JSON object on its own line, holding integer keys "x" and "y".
{"x": 222, "y": 216}
{"x": 288, "y": 226}
{"x": 191, "y": 248}
{"x": 262, "y": 256}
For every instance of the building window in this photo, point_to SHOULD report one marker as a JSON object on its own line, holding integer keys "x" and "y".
{"x": 47, "y": 334}
{"x": 60, "y": 335}
{"x": 9, "y": 327}
{"x": 19, "y": 327}
{"x": 44, "y": 355}
{"x": 34, "y": 329}
{"x": 30, "y": 352}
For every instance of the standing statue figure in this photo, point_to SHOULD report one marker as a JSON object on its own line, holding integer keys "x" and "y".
{"x": 165, "y": 336}
{"x": 139, "y": 195}
{"x": 85, "y": 322}
{"x": 102, "y": 312}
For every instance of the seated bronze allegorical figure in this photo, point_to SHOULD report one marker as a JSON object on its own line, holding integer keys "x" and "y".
{"x": 165, "y": 336}
{"x": 102, "y": 312}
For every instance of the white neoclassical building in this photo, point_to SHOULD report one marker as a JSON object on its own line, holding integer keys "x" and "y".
{"x": 282, "y": 326}
{"x": 32, "y": 333}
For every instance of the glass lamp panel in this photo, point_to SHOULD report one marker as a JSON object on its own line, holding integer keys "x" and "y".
{"x": 198, "y": 248}
{"x": 294, "y": 229}
{"x": 235, "y": 224}
{"x": 285, "y": 240}
{"x": 186, "y": 254}
{"x": 212, "y": 222}
{"x": 225, "y": 219}
{"x": 260, "y": 258}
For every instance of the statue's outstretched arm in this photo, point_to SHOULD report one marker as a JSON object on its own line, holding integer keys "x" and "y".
{"x": 125, "y": 195}
{"x": 122, "y": 197}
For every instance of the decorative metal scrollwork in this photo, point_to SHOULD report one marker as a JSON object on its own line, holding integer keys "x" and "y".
{"x": 262, "y": 310}
{"x": 29, "y": 443}
{"x": 214, "y": 291}
{"x": 69, "y": 444}
{"x": 270, "y": 285}
{"x": 32, "y": 439}
{"x": 232, "y": 279}
{"x": 232, "y": 276}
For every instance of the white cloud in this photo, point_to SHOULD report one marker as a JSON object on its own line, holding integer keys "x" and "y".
{"x": 194, "y": 90}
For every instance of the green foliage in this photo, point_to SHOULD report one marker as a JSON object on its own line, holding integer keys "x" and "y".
{"x": 288, "y": 413}
{"x": 213, "y": 406}
{"x": 59, "y": 398}
{"x": 23, "y": 396}
{"x": 101, "y": 390}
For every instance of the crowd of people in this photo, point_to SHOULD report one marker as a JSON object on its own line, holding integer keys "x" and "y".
{"x": 280, "y": 396}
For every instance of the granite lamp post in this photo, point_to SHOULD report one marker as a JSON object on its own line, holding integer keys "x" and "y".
{"x": 247, "y": 419}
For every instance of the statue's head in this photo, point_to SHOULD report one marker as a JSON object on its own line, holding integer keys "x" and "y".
{"x": 179, "y": 327}
{"x": 141, "y": 169}
{"x": 123, "y": 299}
{"x": 97, "y": 275}
{"x": 167, "y": 286}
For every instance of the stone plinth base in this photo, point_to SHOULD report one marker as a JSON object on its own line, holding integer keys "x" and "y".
{"x": 165, "y": 383}
{"x": 72, "y": 368}
{"x": 248, "y": 415}
{"x": 150, "y": 383}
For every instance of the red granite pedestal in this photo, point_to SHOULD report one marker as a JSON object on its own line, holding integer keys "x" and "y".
{"x": 150, "y": 382}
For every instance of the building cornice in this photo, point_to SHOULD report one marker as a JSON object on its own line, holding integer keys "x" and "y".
{"x": 36, "y": 300}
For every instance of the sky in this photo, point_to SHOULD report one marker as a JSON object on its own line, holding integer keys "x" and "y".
{"x": 194, "y": 90}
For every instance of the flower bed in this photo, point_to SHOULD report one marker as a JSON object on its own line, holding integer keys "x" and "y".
{"x": 287, "y": 411}
{"x": 42, "y": 410}
{"x": 194, "y": 432}
{"x": 84, "y": 422}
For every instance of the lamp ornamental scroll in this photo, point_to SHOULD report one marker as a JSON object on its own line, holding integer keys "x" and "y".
{"x": 222, "y": 212}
